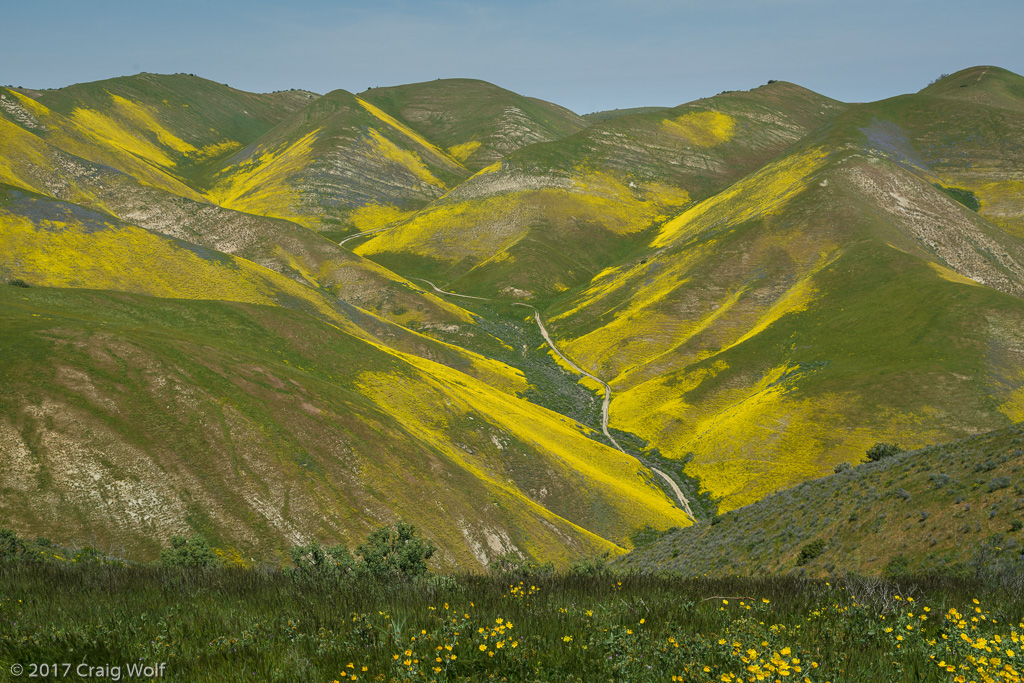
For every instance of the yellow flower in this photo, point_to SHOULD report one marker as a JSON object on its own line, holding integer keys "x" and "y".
{"x": 482, "y": 647}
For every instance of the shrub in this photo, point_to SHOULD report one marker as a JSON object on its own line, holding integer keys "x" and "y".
{"x": 18, "y": 283}
{"x": 881, "y": 450}
{"x": 842, "y": 467}
{"x": 11, "y": 547}
{"x": 811, "y": 551}
{"x": 591, "y": 567}
{"x": 998, "y": 483}
{"x": 896, "y": 568}
{"x": 193, "y": 551}
{"x": 395, "y": 552}
{"x": 326, "y": 561}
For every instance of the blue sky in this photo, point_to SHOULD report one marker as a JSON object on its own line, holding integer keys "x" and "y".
{"x": 587, "y": 55}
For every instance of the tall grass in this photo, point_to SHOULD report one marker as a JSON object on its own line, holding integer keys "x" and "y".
{"x": 229, "y": 624}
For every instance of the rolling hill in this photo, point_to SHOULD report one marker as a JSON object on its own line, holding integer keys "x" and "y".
{"x": 745, "y": 333}
{"x": 552, "y": 215}
{"x": 949, "y": 508}
{"x": 128, "y": 419}
{"x": 476, "y": 122}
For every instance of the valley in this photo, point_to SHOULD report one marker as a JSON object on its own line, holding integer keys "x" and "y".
{"x": 272, "y": 319}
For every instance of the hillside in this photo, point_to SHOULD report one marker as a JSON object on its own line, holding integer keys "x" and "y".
{"x": 128, "y": 419}
{"x": 56, "y": 244}
{"x": 829, "y": 300}
{"x": 552, "y": 215}
{"x": 161, "y": 130}
{"x": 476, "y": 122}
{"x": 954, "y": 507}
{"x": 28, "y": 160}
{"x": 340, "y": 164}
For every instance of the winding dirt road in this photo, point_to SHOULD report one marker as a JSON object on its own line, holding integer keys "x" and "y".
{"x": 605, "y": 406}
{"x": 363, "y": 234}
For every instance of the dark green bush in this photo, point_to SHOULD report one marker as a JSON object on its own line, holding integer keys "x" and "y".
{"x": 591, "y": 567}
{"x": 882, "y": 450}
{"x": 324, "y": 561}
{"x": 811, "y": 551}
{"x": 11, "y": 547}
{"x": 395, "y": 552}
{"x": 193, "y": 551}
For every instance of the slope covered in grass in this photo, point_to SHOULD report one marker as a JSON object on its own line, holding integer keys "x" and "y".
{"x": 57, "y": 244}
{"x": 551, "y": 216}
{"x": 477, "y": 122}
{"x": 831, "y": 299}
{"x": 127, "y": 419}
{"x": 949, "y": 508}
{"x": 968, "y": 130}
{"x": 29, "y": 161}
{"x": 161, "y": 130}
{"x": 339, "y": 164}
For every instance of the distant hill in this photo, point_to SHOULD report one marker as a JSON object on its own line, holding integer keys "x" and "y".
{"x": 744, "y": 333}
{"x": 476, "y": 122}
{"x": 552, "y": 215}
{"x": 596, "y": 116}
{"x": 950, "y": 508}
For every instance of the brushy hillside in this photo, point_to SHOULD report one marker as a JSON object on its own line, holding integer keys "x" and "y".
{"x": 832, "y": 299}
{"x": 954, "y": 508}
{"x": 477, "y": 122}
{"x": 129, "y": 419}
{"x": 551, "y": 216}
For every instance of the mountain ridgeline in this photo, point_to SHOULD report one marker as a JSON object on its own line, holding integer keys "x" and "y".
{"x": 286, "y": 317}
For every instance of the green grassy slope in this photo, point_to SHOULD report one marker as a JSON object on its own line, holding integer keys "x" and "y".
{"x": 977, "y": 143}
{"x": 477, "y": 122}
{"x": 29, "y": 161}
{"x": 339, "y": 164}
{"x": 211, "y": 119}
{"x": 56, "y": 244}
{"x": 550, "y": 216}
{"x": 126, "y": 419}
{"x": 161, "y": 130}
{"x": 832, "y": 299}
{"x": 955, "y": 506}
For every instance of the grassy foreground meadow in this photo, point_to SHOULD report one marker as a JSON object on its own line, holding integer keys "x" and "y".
{"x": 588, "y": 624}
